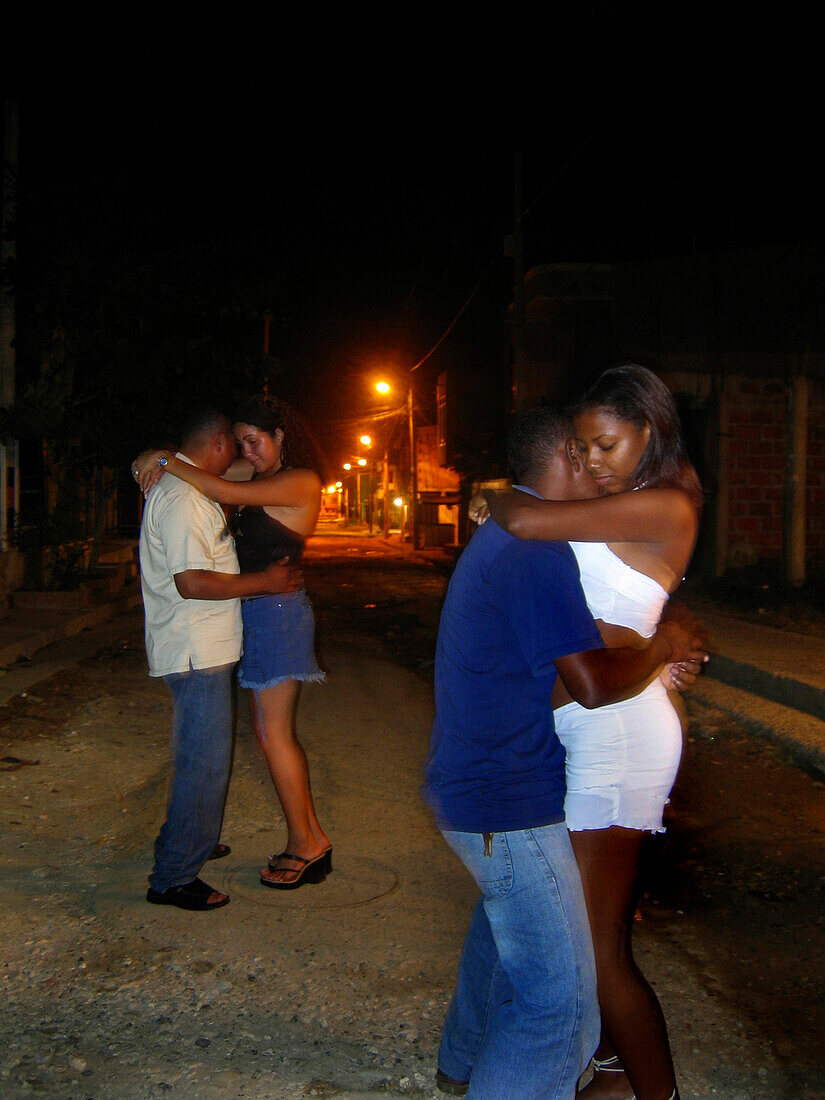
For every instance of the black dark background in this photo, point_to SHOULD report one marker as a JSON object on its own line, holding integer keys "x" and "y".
{"x": 354, "y": 174}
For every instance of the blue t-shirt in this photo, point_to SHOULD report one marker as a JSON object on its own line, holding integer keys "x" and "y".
{"x": 512, "y": 607}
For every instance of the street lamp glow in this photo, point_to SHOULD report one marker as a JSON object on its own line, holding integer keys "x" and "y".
{"x": 339, "y": 484}
{"x": 398, "y": 502}
{"x": 347, "y": 465}
{"x": 382, "y": 387}
{"x": 330, "y": 488}
{"x": 362, "y": 462}
{"x": 365, "y": 439}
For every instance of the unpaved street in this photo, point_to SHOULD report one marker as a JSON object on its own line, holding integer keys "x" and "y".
{"x": 340, "y": 989}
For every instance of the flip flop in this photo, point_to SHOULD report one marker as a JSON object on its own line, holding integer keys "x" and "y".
{"x": 219, "y": 851}
{"x": 272, "y": 862}
{"x": 191, "y": 895}
{"x": 311, "y": 870}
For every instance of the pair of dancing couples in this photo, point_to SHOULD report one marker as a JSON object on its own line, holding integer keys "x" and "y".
{"x": 201, "y": 590}
{"x": 609, "y": 497}
{"x": 524, "y": 1019}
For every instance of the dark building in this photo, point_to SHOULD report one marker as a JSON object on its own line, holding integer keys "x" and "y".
{"x": 739, "y": 337}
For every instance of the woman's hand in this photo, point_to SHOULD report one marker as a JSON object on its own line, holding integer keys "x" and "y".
{"x": 479, "y": 510}
{"x": 681, "y": 676}
{"x": 145, "y": 469}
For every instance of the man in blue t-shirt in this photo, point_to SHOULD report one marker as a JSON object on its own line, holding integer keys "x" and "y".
{"x": 524, "y": 1020}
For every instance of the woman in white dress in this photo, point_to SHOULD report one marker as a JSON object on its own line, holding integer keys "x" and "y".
{"x": 633, "y": 542}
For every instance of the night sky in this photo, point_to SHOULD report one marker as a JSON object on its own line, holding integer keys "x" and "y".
{"x": 364, "y": 167}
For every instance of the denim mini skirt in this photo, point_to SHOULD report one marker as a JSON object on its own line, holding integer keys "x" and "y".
{"x": 278, "y": 641}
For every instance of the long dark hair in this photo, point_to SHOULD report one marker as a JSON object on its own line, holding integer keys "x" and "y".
{"x": 638, "y": 396}
{"x": 269, "y": 414}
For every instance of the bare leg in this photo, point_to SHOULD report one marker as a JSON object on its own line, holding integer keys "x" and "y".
{"x": 633, "y": 1026}
{"x": 273, "y": 712}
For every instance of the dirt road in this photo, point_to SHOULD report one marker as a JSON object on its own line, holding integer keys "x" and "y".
{"x": 340, "y": 989}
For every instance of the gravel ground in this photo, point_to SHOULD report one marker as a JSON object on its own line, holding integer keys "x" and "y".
{"x": 279, "y": 995}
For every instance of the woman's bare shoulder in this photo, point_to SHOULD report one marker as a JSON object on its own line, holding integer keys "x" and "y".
{"x": 674, "y": 501}
{"x": 301, "y": 476}
{"x": 302, "y": 472}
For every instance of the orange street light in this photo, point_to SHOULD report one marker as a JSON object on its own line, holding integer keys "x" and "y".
{"x": 385, "y": 387}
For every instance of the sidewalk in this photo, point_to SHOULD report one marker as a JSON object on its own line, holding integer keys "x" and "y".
{"x": 772, "y": 681}
{"x": 25, "y": 631}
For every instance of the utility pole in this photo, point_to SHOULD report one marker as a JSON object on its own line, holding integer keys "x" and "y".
{"x": 385, "y": 491}
{"x": 267, "y": 329}
{"x": 8, "y": 320}
{"x": 796, "y": 458}
{"x": 521, "y": 391}
{"x": 413, "y": 464}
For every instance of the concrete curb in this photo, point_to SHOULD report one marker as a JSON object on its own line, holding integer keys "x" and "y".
{"x": 768, "y": 685}
{"x": 64, "y": 625}
{"x": 800, "y": 735}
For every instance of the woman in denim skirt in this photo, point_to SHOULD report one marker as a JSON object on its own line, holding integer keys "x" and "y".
{"x": 275, "y": 513}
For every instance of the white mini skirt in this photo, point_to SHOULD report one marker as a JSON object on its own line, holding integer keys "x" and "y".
{"x": 622, "y": 761}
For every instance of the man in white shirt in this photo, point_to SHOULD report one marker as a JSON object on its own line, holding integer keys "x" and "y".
{"x": 192, "y": 586}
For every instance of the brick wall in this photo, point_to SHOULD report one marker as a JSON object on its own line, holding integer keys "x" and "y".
{"x": 757, "y": 411}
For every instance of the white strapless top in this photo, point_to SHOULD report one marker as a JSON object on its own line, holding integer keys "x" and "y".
{"x": 615, "y": 592}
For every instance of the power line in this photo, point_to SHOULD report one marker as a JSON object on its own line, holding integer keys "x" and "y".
{"x": 567, "y": 165}
{"x": 457, "y": 317}
{"x": 550, "y": 183}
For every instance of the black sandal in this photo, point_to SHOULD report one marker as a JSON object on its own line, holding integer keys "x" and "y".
{"x": 272, "y": 862}
{"x": 219, "y": 851}
{"x": 450, "y": 1085}
{"x": 312, "y": 871}
{"x": 193, "y": 895}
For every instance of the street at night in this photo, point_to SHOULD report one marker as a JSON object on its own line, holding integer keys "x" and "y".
{"x": 340, "y": 989}
{"x": 289, "y": 306}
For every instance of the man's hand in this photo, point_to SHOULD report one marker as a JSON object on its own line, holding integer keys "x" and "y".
{"x": 601, "y": 676}
{"x": 204, "y": 584}
{"x": 280, "y": 576}
{"x": 680, "y": 677}
{"x": 687, "y": 653}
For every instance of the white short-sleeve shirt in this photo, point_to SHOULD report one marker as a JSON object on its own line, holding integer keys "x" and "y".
{"x": 183, "y": 529}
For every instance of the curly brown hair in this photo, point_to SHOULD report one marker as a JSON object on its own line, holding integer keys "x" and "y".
{"x": 266, "y": 412}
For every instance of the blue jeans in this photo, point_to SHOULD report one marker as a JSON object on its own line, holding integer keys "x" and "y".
{"x": 524, "y": 1019}
{"x": 201, "y": 752}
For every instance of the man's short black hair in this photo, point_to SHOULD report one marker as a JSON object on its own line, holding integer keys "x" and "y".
{"x": 535, "y": 437}
{"x": 202, "y": 423}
